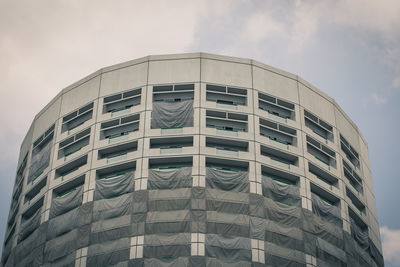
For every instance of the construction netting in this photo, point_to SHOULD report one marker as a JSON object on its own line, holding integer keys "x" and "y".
{"x": 233, "y": 227}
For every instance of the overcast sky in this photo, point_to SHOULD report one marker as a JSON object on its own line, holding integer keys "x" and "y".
{"x": 348, "y": 49}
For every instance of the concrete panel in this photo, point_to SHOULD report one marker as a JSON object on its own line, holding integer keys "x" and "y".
{"x": 370, "y": 203}
{"x": 226, "y": 58}
{"x": 124, "y": 79}
{"x": 346, "y": 128}
{"x": 226, "y": 73}
{"x": 275, "y": 84}
{"x": 317, "y": 104}
{"x": 367, "y": 176}
{"x": 80, "y": 95}
{"x": 364, "y": 154}
{"x": 175, "y": 56}
{"x": 174, "y": 71}
{"x": 46, "y": 118}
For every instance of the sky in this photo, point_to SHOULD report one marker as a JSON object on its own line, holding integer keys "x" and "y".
{"x": 348, "y": 49}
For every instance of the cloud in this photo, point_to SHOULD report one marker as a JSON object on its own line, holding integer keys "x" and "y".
{"x": 47, "y": 45}
{"x": 379, "y": 20}
{"x": 260, "y": 26}
{"x": 391, "y": 245}
{"x": 377, "y": 99}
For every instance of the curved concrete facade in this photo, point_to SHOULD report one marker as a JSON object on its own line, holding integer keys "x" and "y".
{"x": 192, "y": 159}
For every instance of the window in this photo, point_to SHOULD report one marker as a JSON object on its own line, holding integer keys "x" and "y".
{"x": 35, "y": 191}
{"x": 110, "y": 179}
{"x": 323, "y": 175}
{"x": 72, "y": 145}
{"x": 21, "y": 169}
{"x": 280, "y": 176}
{"x": 77, "y": 118}
{"x": 225, "y": 122}
{"x": 119, "y": 129}
{"x": 227, "y": 147}
{"x": 351, "y": 154}
{"x": 71, "y": 169}
{"x": 353, "y": 178}
{"x": 226, "y": 97}
{"x": 69, "y": 187}
{"x": 280, "y": 186}
{"x": 15, "y": 197}
{"x": 356, "y": 201}
{"x": 167, "y": 164}
{"x": 172, "y": 107}
{"x": 30, "y": 219}
{"x": 170, "y": 162}
{"x": 117, "y": 153}
{"x": 41, "y": 152}
{"x": 277, "y": 109}
{"x": 198, "y": 247}
{"x": 319, "y": 127}
{"x": 173, "y": 93}
{"x": 326, "y": 205}
{"x": 257, "y": 251}
{"x": 278, "y": 134}
{"x": 322, "y": 153}
{"x": 12, "y": 215}
{"x": 358, "y": 228}
{"x": 228, "y": 175}
{"x": 120, "y": 104}
{"x": 279, "y": 158}
{"x": 172, "y": 144}
{"x": 136, "y": 251}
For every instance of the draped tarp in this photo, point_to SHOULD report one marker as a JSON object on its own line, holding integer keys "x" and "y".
{"x": 63, "y": 224}
{"x": 113, "y": 207}
{"x": 226, "y": 201}
{"x": 228, "y": 224}
{"x": 237, "y": 181}
{"x": 332, "y": 250}
{"x": 170, "y": 178}
{"x": 111, "y": 229}
{"x": 40, "y": 160}
{"x": 213, "y": 262}
{"x": 177, "y": 221}
{"x": 359, "y": 235}
{"x": 29, "y": 225}
{"x": 172, "y": 114}
{"x": 164, "y": 200}
{"x": 115, "y": 186}
{"x": 257, "y": 228}
{"x": 108, "y": 253}
{"x": 280, "y": 256}
{"x": 62, "y": 204}
{"x": 65, "y": 261}
{"x": 325, "y": 210}
{"x": 167, "y": 246}
{"x": 321, "y": 228}
{"x": 67, "y": 243}
{"x": 284, "y": 236}
{"x": 33, "y": 258}
{"x": 174, "y": 262}
{"x": 167, "y": 216}
{"x": 278, "y": 191}
{"x": 281, "y": 213}
{"x": 37, "y": 238}
{"x": 231, "y": 248}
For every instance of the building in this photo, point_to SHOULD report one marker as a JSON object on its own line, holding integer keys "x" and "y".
{"x": 192, "y": 160}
